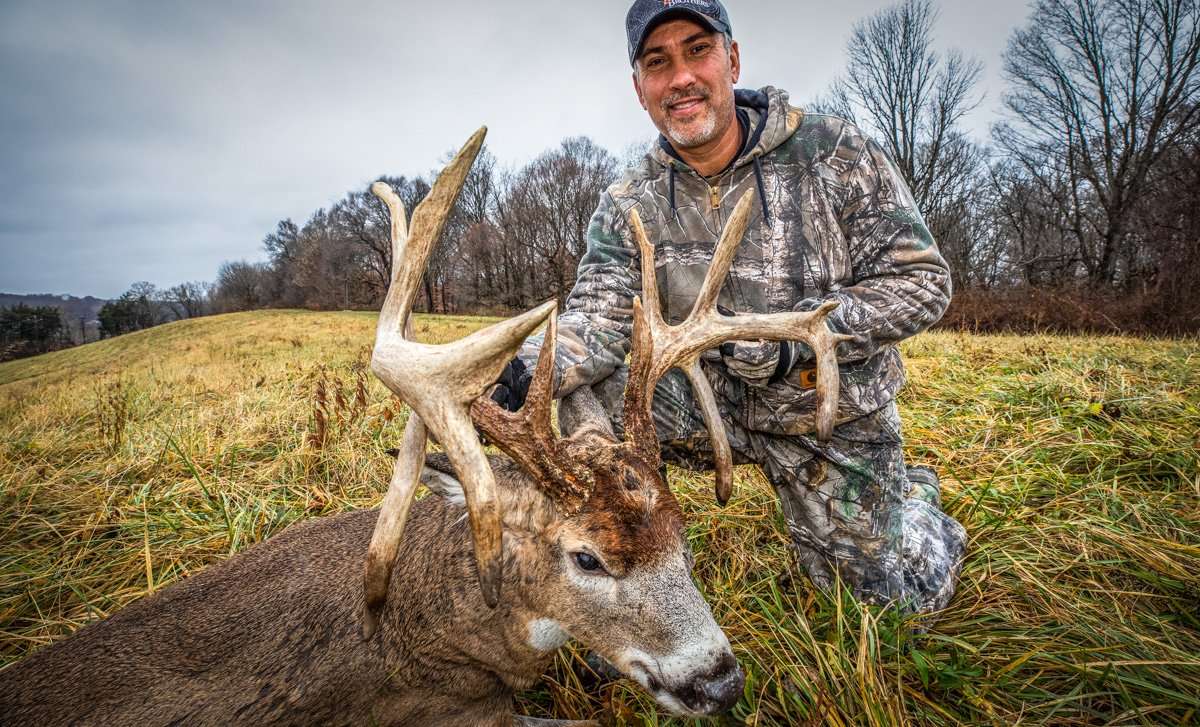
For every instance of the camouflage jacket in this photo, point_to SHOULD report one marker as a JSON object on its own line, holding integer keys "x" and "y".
{"x": 835, "y": 221}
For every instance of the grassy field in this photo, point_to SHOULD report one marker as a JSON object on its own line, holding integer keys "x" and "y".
{"x": 1073, "y": 462}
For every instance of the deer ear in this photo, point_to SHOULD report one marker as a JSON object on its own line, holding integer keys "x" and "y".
{"x": 444, "y": 485}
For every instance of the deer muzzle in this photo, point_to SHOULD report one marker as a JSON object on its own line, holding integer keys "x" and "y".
{"x": 712, "y": 687}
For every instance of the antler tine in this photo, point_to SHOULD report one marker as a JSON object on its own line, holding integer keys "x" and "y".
{"x": 385, "y": 539}
{"x": 651, "y": 303}
{"x": 411, "y": 249}
{"x": 397, "y": 215}
{"x": 824, "y": 343}
{"x": 438, "y": 383}
{"x": 528, "y": 438}
{"x": 639, "y": 388}
{"x": 658, "y": 347}
{"x": 541, "y": 387}
{"x": 718, "y": 268}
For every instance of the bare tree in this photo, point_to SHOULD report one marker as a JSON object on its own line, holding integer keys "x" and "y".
{"x": 1031, "y": 217}
{"x": 912, "y": 100}
{"x": 335, "y": 271}
{"x": 635, "y": 151}
{"x": 478, "y": 197}
{"x": 283, "y": 244}
{"x": 188, "y": 300}
{"x": 464, "y": 262}
{"x": 242, "y": 286}
{"x": 154, "y": 302}
{"x": 1167, "y": 259}
{"x": 1100, "y": 91}
{"x": 545, "y": 212}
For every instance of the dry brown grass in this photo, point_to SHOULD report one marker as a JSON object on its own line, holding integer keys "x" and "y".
{"x": 1073, "y": 462}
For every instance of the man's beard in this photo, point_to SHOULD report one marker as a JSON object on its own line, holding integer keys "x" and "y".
{"x": 697, "y": 132}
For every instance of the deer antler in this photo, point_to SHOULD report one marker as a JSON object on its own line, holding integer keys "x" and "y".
{"x": 439, "y": 384}
{"x": 658, "y": 347}
{"x": 527, "y": 437}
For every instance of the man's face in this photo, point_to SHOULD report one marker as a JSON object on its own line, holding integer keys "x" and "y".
{"x": 685, "y": 78}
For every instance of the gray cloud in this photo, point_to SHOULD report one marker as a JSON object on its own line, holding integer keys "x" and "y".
{"x": 152, "y": 140}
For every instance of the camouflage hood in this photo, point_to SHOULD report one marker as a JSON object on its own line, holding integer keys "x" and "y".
{"x": 762, "y": 131}
{"x": 835, "y": 222}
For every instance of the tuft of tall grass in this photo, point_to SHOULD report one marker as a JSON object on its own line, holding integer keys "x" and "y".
{"x": 1073, "y": 462}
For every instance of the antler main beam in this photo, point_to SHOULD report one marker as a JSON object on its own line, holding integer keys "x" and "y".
{"x": 439, "y": 383}
{"x": 659, "y": 347}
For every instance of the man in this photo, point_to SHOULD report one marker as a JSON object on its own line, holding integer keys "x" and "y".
{"x": 836, "y": 222}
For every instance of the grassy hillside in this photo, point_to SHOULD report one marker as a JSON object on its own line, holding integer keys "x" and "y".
{"x": 1073, "y": 462}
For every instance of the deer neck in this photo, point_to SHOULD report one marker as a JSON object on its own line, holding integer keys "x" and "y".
{"x": 436, "y": 607}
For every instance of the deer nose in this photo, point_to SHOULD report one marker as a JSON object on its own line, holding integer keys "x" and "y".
{"x": 718, "y": 689}
{"x": 726, "y": 689}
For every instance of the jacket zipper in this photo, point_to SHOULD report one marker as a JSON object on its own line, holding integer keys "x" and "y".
{"x": 714, "y": 203}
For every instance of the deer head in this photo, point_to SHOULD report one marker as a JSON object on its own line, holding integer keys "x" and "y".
{"x": 602, "y": 536}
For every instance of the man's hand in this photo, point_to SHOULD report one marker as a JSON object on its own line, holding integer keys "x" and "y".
{"x": 513, "y": 385}
{"x": 758, "y": 363}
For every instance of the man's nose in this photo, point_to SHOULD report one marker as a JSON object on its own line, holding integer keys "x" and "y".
{"x": 683, "y": 77}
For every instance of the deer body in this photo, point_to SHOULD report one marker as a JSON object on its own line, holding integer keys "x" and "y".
{"x": 272, "y": 637}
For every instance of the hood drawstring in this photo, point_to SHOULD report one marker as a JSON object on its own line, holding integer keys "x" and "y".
{"x": 762, "y": 191}
{"x": 671, "y": 191}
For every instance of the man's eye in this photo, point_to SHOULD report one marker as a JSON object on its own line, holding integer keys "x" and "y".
{"x": 697, "y": 50}
{"x": 587, "y": 561}
{"x": 654, "y": 63}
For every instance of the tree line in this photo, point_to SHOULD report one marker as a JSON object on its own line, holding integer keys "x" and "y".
{"x": 29, "y": 330}
{"x": 145, "y": 305}
{"x": 512, "y": 239}
{"x": 1080, "y": 211}
{"x": 1077, "y": 213}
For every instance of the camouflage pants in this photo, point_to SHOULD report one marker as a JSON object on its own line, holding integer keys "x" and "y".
{"x": 847, "y": 503}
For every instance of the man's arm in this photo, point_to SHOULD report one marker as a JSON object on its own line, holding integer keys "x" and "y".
{"x": 901, "y": 282}
{"x": 595, "y": 327}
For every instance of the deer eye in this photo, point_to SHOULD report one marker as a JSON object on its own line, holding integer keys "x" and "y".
{"x": 587, "y": 562}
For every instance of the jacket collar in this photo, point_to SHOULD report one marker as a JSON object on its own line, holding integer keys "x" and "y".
{"x": 767, "y": 122}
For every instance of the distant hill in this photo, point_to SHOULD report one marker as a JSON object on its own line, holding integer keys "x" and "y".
{"x": 86, "y": 308}
{"x": 74, "y": 310}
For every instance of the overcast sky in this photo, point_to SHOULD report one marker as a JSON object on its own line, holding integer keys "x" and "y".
{"x": 152, "y": 140}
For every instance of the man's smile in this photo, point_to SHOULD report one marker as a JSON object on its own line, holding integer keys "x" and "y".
{"x": 686, "y": 107}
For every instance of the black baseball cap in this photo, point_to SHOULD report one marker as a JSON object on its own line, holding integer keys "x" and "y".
{"x": 644, "y": 15}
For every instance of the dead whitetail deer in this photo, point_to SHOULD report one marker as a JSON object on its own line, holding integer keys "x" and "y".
{"x": 576, "y": 536}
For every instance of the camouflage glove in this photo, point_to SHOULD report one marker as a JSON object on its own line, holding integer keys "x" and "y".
{"x": 513, "y": 385}
{"x": 758, "y": 363}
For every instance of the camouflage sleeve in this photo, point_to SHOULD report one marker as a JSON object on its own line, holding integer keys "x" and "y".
{"x": 596, "y": 324}
{"x": 901, "y": 282}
